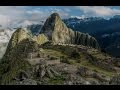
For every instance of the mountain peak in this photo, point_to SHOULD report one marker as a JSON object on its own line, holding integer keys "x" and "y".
{"x": 19, "y": 35}
{"x": 55, "y": 15}
{"x": 52, "y": 23}
{"x": 53, "y": 18}
{"x": 57, "y": 31}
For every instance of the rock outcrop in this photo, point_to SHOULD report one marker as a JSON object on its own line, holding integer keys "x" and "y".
{"x": 40, "y": 39}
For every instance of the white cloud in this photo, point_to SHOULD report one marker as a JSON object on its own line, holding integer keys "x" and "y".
{"x": 25, "y": 23}
{"x": 34, "y": 12}
{"x": 11, "y": 14}
{"x": 14, "y": 15}
{"x": 4, "y": 20}
{"x": 67, "y": 10}
{"x": 62, "y": 13}
{"x": 98, "y": 10}
{"x": 79, "y": 17}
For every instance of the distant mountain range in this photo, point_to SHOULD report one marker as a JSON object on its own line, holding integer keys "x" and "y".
{"x": 93, "y": 24}
{"x": 107, "y": 32}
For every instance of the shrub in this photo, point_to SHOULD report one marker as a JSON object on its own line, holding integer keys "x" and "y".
{"x": 79, "y": 61}
{"x": 48, "y": 56}
{"x": 53, "y": 58}
{"x": 74, "y": 54}
{"x": 64, "y": 60}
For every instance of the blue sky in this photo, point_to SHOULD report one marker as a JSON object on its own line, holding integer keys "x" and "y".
{"x": 23, "y": 15}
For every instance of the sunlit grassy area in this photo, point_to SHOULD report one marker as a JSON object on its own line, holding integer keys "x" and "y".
{"x": 53, "y": 53}
{"x": 83, "y": 60}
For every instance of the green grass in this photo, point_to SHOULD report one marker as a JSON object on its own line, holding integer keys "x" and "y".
{"x": 65, "y": 50}
{"x": 53, "y": 53}
{"x": 14, "y": 61}
{"x": 59, "y": 80}
{"x": 58, "y": 55}
{"x": 94, "y": 68}
{"x": 83, "y": 60}
{"x": 9, "y": 70}
{"x": 97, "y": 54}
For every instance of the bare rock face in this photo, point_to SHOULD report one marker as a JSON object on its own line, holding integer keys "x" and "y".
{"x": 40, "y": 39}
{"x": 56, "y": 30}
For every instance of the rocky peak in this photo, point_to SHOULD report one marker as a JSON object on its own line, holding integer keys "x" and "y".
{"x": 54, "y": 15}
{"x": 57, "y": 31}
{"x": 19, "y": 35}
{"x": 53, "y": 23}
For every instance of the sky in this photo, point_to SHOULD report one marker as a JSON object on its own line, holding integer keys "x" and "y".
{"x": 27, "y": 15}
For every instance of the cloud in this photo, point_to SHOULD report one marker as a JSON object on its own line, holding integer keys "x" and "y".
{"x": 4, "y": 20}
{"x": 25, "y": 23}
{"x": 15, "y": 15}
{"x": 62, "y": 13}
{"x": 11, "y": 14}
{"x": 39, "y": 14}
{"x": 67, "y": 10}
{"x": 98, "y": 10}
{"x": 79, "y": 17}
{"x": 34, "y": 12}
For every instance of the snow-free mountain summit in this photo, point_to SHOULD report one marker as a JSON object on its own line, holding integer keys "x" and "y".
{"x": 57, "y": 31}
